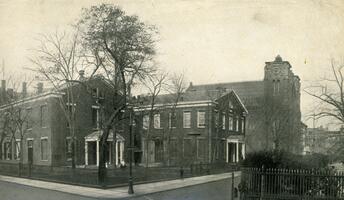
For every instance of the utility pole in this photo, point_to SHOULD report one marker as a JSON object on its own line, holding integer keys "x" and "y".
{"x": 130, "y": 183}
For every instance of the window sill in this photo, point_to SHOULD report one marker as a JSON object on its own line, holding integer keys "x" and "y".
{"x": 44, "y": 160}
{"x": 201, "y": 127}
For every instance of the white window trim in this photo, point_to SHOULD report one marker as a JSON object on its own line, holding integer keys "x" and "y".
{"x": 43, "y": 138}
{"x": 143, "y": 122}
{"x": 170, "y": 120}
{"x": 154, "y": 117}
{"x": 198, "y": 119}
{"x": 10, "y": 142}
{"x": 237, "y": 123}
{"x": 223, "y": 121}
{"x": 186, "y": 111}
{"x": 230, "y": 123}
{"x": 243, "y": 125}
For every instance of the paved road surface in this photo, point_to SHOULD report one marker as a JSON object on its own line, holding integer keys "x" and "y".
{"x": 214, "y": 190}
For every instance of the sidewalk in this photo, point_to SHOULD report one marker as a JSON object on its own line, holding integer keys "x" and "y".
{"x": 121, "y": 192}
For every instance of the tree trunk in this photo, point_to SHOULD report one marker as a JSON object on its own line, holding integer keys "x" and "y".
{"x": 0, "y": 150}
{"x": 102, "y": 156}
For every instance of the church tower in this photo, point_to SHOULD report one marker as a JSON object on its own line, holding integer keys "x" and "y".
{"x": 281, "y": 106}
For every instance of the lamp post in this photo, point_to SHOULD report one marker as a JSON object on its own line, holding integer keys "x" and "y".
{"x": 130, "y": 182}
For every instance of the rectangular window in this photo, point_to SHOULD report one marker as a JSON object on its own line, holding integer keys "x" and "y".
{"x": 157, "y": 121}
{"x": 69, "y": 148}
{"x": 276, "y": 87}
{"x": 43, "y": 116}
{"x": 201, "y": 119}
{"x": 243, "y": 125}
{"x": 44, "y": 149}
{"x": 223, "y": 121}
{"x": 95, "y": 117}
{"x": 95, "y": 92}
{"x": 17, "y": 150}
{"x": 237, "y": 123}
{"x": 8, "y": 150}
{"x": 28, "y": 118}
{"x": 187, "y": 119}
{"x": 172, "y": 123}
{"x": 145, "y": 122}
{"x": 230, "y": 123}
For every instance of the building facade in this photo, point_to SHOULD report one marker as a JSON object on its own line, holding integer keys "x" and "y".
{"x": 47, "y": 135}
{"x": 196, "y": 129}
{"x": 274, "y": 121}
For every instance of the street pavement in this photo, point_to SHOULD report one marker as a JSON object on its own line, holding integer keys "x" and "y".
{"x": 205, "y": 187}
{"x": 218, "y": 190}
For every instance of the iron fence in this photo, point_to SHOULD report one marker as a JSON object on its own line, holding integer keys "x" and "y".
{"x": 260, "y": 183}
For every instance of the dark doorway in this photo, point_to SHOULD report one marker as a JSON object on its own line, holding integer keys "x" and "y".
{"x": 30, "y": 152}
{"x": 159, "y": 151}
{"x": 92, "y": 153}
{"x": 232, "y": 152}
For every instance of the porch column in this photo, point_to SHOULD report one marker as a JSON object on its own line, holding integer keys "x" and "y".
{"x": 243, "y": 150}
{"x": 121, "y": 151}
{"x": 237, "y": 152}
{"x": 97, "y": 152}
{"x": 116, "y": 156}
{"x": 226, "y": 151}
{"x": 110, "y": 152}
{"x": 86, "y": 153}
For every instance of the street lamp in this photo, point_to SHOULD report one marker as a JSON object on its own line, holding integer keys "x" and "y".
{"x": 130, "y": 183}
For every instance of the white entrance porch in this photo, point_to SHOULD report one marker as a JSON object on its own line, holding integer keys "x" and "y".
{"x": 92, "y": 149}
{"x": 235, "y": 150}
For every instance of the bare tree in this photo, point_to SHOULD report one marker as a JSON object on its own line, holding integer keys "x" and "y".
{"x": 154, "y": 84}
{"x": 176, "y": 89}
{"x": 15, "y": 119}
{"x": 328, "y": 93}
{"x": 126, "y": 48}
{"x": 58, "y": 60}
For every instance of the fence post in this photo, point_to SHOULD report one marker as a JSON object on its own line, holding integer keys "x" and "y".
{"x": 232, "y": 190}
{"x": 262, "y": 183}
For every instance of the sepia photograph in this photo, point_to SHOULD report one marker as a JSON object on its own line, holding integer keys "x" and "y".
{"x": 171, "y": 99}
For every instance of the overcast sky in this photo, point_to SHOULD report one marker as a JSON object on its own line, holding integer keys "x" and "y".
{"x": 210, "y": 40}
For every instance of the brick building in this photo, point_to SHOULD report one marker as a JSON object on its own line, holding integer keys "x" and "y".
{"x": 274, "y": 119}
{"x": 47, "y": 139}
{"x": 200, "y": 128}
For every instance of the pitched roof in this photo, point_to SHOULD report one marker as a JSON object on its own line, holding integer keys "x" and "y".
{"x": 248, "y": 91}
{"x": 243, "y": 89}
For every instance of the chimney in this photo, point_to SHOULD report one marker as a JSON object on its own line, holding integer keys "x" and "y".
{"x": 39, "y": 88}
{"x": 81, "y": 75}
{"x": 190, "y": 85}
{"x": 24, "y": 89}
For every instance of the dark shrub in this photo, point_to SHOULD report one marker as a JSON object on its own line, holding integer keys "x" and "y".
{"x": 281, "y": 159}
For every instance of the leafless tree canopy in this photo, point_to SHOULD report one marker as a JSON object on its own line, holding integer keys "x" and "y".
{"x": 329, "y": 93}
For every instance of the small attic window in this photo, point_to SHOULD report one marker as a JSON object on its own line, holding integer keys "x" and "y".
{"x": 230, "y": 104}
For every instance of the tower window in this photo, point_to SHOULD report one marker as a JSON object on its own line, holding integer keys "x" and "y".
{"x": 276, "y": 87}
